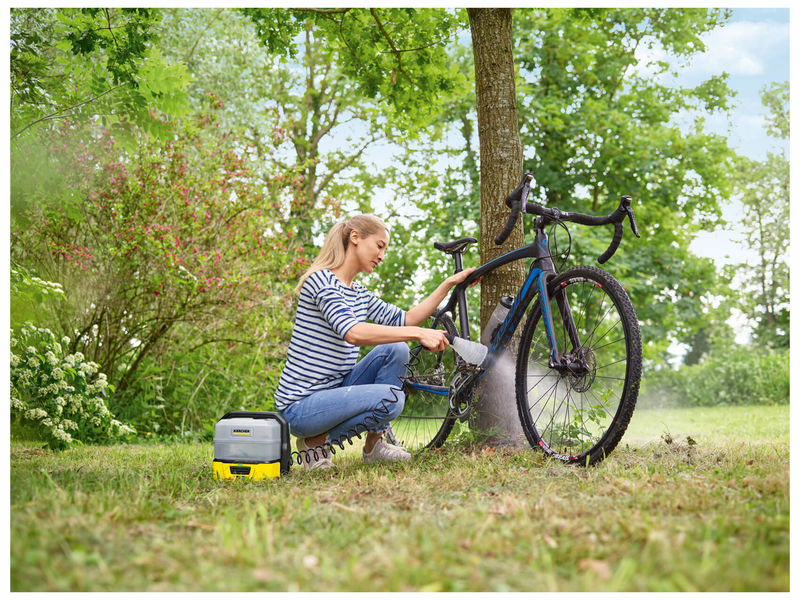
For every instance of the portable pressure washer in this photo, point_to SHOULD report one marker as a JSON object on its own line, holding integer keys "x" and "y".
{"x": 252, "y": 444}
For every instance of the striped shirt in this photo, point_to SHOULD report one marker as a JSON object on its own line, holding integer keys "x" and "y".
{"x": 319, "y": 358}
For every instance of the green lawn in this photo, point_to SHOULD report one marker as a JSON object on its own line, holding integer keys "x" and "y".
{"x": 760, "y": 424}
{"x": 692, "y": 500}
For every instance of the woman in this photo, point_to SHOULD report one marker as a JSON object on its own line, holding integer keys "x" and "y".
{"x": 323, "y": 391}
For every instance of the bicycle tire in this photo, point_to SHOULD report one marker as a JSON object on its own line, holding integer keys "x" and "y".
{"x": 426, "y": 420}
{"x": 579, "y": 418}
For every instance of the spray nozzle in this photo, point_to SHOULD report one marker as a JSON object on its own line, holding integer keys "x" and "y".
{"x": 472, "y": 352}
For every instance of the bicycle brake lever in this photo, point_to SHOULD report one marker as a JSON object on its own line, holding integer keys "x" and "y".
{"x": 628, "y": 208}
{"x": 633, "y": 223}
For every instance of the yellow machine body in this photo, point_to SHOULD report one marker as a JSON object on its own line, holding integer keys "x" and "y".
{"x": 223, "y": 470}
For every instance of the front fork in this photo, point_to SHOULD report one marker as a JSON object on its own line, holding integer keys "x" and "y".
{"x": 566, "y": 316}
{"x": 545, "y": 263}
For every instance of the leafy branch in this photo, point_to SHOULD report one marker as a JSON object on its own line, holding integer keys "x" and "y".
{"x": 387, "y": 37}
{"x": 60, "y": 113}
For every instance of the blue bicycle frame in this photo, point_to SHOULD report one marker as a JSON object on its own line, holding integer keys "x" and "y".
{"x": 535, "y": 284}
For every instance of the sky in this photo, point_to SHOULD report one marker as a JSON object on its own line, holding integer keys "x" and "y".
{"x": 754, "y": 49}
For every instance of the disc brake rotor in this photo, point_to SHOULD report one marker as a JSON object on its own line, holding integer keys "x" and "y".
{"x": 581, "y": 380}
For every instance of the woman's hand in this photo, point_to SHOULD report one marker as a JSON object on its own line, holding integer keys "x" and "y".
{"x": 454, "y": 280}
{"x": 433, "y": 340}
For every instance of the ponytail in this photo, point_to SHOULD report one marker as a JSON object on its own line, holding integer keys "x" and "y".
{"x": 332, "y": 253}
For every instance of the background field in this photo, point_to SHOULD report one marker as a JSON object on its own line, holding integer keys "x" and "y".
{"x": 694, "y": 500}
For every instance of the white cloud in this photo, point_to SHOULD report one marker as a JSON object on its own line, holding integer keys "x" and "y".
{"x": 741, "y": 48}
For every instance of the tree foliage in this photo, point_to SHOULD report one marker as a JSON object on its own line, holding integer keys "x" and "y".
{"x": 435, "y": 196}
{"x": 373, "y": 80}
{"x": 81, "y": 63}
{"x": 601, "y": 117}
{"x": 764, "y": 189}
{"x": 396, "y": 55}
{"x": 719, "y": 380}
{"x": 326, "y": 127}
{"x": 175, "y": 237}
{"x": 84, "y": 66}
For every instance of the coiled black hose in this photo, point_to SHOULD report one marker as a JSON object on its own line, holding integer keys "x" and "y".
{"x": 371, "y": 420}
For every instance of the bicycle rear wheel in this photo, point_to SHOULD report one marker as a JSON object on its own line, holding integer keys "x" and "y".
{"x": 426, "y": 420}
{"x": 579, "y": 414}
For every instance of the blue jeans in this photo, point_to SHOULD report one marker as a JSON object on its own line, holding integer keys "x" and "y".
{"x": 364, "y": 401}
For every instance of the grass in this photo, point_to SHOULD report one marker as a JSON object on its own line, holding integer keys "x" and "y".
{"x": 693, "y": 500}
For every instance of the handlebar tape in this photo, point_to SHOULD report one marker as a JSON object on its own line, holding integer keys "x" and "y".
{"x": 512, "y": 220}
{"x": 614, "y": 244}
{"x": 514, "y": 202}
{"x": 516, "y": 194}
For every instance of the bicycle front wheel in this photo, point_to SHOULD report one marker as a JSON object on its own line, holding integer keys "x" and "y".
{"x": 578, "y": 413}
{"x": 426, "y": 420}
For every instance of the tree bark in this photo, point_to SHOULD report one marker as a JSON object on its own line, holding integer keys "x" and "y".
{"x": 500, "y": 172}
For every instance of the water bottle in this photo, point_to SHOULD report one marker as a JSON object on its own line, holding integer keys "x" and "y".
{"x": 498, "y": 316}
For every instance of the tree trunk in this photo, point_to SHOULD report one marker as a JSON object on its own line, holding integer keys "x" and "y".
{"x": 501, "y": 170}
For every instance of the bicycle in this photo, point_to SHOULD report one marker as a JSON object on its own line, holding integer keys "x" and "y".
{"x": 579, "y": 360}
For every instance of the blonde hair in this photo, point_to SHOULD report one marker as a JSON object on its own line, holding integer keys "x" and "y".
{"x": 332, "y": 253}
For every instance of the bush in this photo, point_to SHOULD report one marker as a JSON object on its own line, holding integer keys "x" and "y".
{"x": 185, "y": 392}
{"x": 60, "y": 397}
{"x": 180, "y": 232}
{"x": 739, "y": 376}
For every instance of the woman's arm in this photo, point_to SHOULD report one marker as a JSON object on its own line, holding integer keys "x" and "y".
{"x": 425, "y": 309}
{"x": 371, "y": 334}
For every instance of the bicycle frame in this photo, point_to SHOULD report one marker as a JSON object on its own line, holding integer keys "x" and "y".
{"x": 535, "y": 283}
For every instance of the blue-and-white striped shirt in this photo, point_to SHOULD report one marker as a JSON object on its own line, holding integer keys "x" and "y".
{"x": 319, "y": 358}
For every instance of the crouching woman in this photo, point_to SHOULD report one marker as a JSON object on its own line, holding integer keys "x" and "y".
{"x": 324, "y": 391}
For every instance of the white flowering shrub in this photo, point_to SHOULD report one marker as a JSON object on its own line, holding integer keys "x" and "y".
{"x": 61, "y": 396}
{"x": 22, "y": 281}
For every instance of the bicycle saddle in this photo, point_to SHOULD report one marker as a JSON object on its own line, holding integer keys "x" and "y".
{"x": 455, "y": 246}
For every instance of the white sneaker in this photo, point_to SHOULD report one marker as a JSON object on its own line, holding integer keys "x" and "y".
{"x": 384, "y": 451}
{"x": 315, "y": 458}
